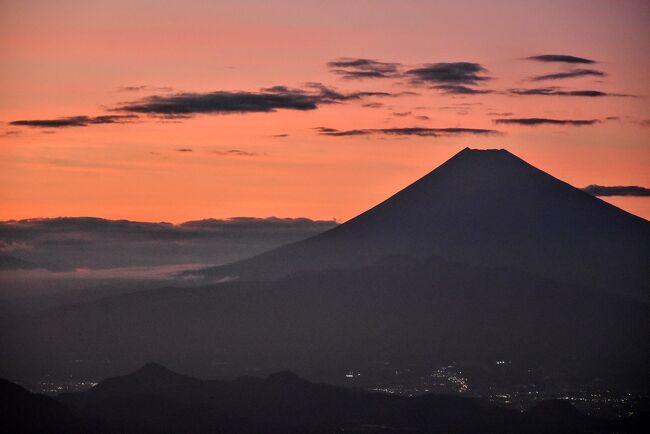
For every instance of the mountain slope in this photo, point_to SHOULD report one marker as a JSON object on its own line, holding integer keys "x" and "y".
{"x": 487, "y": 208}
{"x": 403, "y": 310}
{"x": 27, "y": 413}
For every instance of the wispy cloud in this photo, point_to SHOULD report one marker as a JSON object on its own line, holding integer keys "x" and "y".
{"x": 354, "y": 69}
{"x": 456, "y": 89}
{"x": 145, "y": 88}
{"x": 410, "y": 131}
{"x": 236, "y": 153}
{"x": 546, "y": 121}
{"x": 228, "y": 102}
{"x": 556, "y": 91}
{"x": 570, "y": 74}
{"x": 560, "y": 58}
{"x": 620, "y": 190}
{"x": 74, "y": 121}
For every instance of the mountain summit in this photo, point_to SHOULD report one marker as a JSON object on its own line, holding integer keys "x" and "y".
{"x": 487, "y": 208}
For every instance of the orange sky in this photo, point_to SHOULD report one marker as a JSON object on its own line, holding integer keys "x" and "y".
{"x": 71, "y": 58}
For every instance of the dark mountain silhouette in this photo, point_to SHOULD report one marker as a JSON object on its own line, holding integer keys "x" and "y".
{"x": 382, "y": 287}
{"x": 488, "y": 208}
{"x": 156, "y": 400}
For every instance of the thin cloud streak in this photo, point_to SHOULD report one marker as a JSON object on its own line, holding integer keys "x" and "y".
{"x": 560, "y": 58}
{"x": 74, "y": 121}
{"x": 410, "y": 131}
{"x": 570, "y": 74}
{"x": 556, "y": 91}
{"x": 545, "y": 121}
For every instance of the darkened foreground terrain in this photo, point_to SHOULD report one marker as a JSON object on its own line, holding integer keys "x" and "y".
{"x": 154, "y": 399}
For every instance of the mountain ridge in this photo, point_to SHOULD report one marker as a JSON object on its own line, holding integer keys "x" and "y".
{"x": 487, "y": 208}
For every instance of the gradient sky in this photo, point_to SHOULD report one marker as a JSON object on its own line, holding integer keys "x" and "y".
{"x": 61, "y": 59}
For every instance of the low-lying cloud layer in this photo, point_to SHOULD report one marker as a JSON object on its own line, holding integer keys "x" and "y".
{"x": 620, "y": 190}
{"x": 410, "y": 131}
{"x": 78, "y": 242}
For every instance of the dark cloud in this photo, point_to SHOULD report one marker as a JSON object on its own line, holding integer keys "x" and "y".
{"x": 500, "y": 114}
{"x": 280, "y": 135}
{"x": 363, "y": 68}
{"x": 225, "y": 102}
{"x": 545, "y": 121}
{"x": 411, "y": 131}
{"x": 456, "y": 89}
{"x": 423, "y": 118}
{"x": 222, "y": 102}
{"x": 451, "y": 78}
{"x": 561, "y": 58}
{"x": 373, "y": 105}
{"x": 460, "y": 73}
{"x": 402, "y": 114}
{"x": 74, "y": 121}
{"x": 185, "y": 150}
{"x": 628, "y": 190}
{"x": 570, "y": 74}
{"x": 556, "y": 91}
{"x": 644, "y": 122}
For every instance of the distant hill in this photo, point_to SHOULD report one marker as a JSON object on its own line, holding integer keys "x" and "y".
{"x": 156, "y": 400}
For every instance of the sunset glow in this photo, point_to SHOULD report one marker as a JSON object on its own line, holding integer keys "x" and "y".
{"x": 96, "y": 68}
